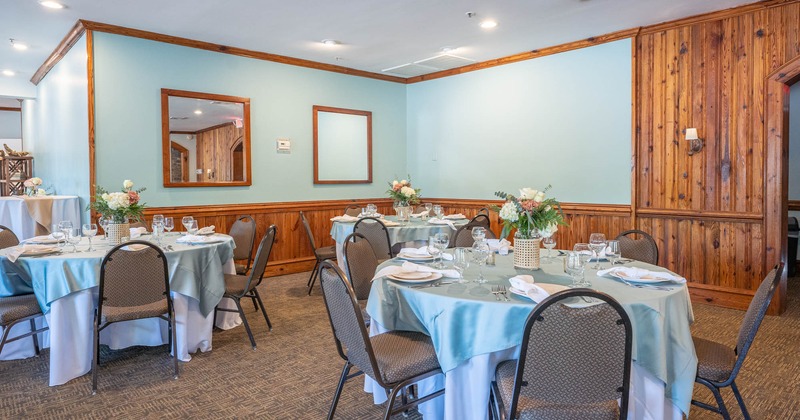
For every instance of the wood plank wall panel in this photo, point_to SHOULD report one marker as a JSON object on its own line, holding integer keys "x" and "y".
{"x": 710, "y": 74}
{"x": 214, "y": 152}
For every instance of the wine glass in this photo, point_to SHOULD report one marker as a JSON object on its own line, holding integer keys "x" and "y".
{"x": 575, "y": 268}
{"x": 90, "y": 230}
{"x": 597, "y": 242}
{"x": 584, "y": 255}
{"x": 169, "y": 224}
{"x": 612, "y": 251}
{"x": 186, "y": 221}
{"x": 192, "y": 227}
{"x": 438, "y": 211}
{"x": 549, "y": 243}
{"x": 480, "y": 253}
{"x": 460, "y": 262}
{"x": 158, "y": 229}
{"x": 478, "y": 234}
{"x": 433, "y": 249}
{"x": 58, "y": 235}
{"x": 158, "y": 218}
{"x": 442, "y": 241}
{"x": 74, "y": 238}
{"x": 428, "y": 208}
{"x": 103, "y": 221}
{"x": 372, "y": 210}
{"x": 65, "y": 226}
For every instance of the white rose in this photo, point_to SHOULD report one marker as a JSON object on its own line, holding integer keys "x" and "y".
{"x": 106, "y": 197}
{"x": 509, "y": 212}
{"x": 36, "y": 181}
{"x": 41, "y": 192}
{"x": 527, "y": 193}
{"x": 549, "y": 231}
{"x": 395, "y": 183}
{"x": 127, "y": 184}
{"x": 407, "y": 191}
{"x": 539, "y": 197}
{"x": 404, "y": 182}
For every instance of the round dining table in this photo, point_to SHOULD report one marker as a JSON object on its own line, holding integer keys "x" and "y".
{"x": 65, "y": 284}
{"x": 473, "y": 330}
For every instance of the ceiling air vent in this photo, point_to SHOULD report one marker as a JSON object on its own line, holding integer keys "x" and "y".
{"x": 429, "y": 65}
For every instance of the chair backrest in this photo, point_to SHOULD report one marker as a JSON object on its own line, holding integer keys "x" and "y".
{"x": 133, "y": 274}
{"x": 262, "y": 257}
{"x": 377, "y": 234}
{"x": 7, "y": 238}
{"x": 349, "y": 331}
{"x": 361, "y": 264}
{"x": 243, "y": 231}
{"x": 463, "y": 235}
{"x": 643, "y": 248}
{"x": 575, "y": 355}
{"x": 308, "y": 232}
{"x": 755, "y": 314}
{"x": 140, "y": 224}
{"x": 419, "y": 208}
{"x": 484, "y": 211}
{"x": 352, "y": 210}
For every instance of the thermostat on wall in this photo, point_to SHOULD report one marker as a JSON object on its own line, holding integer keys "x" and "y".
{"x": 284, "y": 146}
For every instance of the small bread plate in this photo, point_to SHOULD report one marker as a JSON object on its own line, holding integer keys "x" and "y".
{"x": 414, "y": 276}
{"x": 40, "y": 252}
{"x": 643, "y": 280}
{"x": 548, "y": 287}
{"x": 412, "y": 257}
{"x": 44, "y": 240}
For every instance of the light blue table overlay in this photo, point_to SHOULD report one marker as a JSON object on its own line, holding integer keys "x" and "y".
{"x": 194, "y": 271}
{"x": 466, "y": 320}
{"x": 413, "y": 230}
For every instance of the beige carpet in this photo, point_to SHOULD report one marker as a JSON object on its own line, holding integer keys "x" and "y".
{"x": 294, "y": 371}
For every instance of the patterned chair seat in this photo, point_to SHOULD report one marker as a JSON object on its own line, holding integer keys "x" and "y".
{"x": 14, "y": 308}
{"x": 235, "y": 284}
{"x": 126, "y": 313}
{"x": 403, "y": 354}
{"x": 715, "y": 361}
{"x": 327, "y": 252}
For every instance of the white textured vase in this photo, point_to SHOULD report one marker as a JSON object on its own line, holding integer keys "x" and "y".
{"x": 117, "y": 231}
{"x": 526, "y": 253}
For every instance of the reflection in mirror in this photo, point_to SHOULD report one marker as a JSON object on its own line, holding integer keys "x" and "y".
{"x": 342, "y": 146}
{"x": 205, "y": 139}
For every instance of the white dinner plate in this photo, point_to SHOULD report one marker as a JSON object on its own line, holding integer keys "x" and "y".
{"x": 438, "y": 222}
{"x": 455, "y": 217}
{"x": 209, "y": 240}
{"x": 44, "y": 240}
{"x": 412, "y": 275}
{"x": 409, "y": 257}
{"x": 429, "y": 277}
{"x": 548, "y": 287}
{"x": 40, "y": 252}
{"x": 643, "y": 280}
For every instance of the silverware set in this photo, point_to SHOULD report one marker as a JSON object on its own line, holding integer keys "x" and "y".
{"x": 646, "y": 286}
{"x": 434, "y": 284}
{"x": 500, "y": 291}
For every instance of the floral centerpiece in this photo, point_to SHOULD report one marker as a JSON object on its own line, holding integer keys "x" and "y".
{"x": 533, "y": 216}
{"x": 403, "y": 193}
{"x": 32, "y": 186}
{"x": 119, "y": 208}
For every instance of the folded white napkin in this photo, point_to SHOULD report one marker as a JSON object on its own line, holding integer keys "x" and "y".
{"x": 208, "y": 230}
{"x": 436, "y": 221}
{"x": 345, "y": 219}
{"x": 44, "y": 239}
{"x": 422, "y": 252}
{"x": 137, "y": 232}
{"x": 499, "y": 245}
{"x": 420, "y": 214}
{"x": 633, "y": 273}
{"x": 18, "y": 251}
{"x": 409, "y": 267}
{"x": 387, "y": 222}
{"x": 524, "y": 283}
{"x": 191, "y": 239}
{"x": 455, "y": 216}
{"x": 134, "y": 247}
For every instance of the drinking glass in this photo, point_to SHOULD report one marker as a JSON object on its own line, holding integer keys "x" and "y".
{"x": 158, "y": 218}
{"x": 428, "y": 208}
{"x": 612, "y": 251}
{"x": 478, "y": 234}
{"x": 433, "y": 249}
{"x": 103, "y": 222}
{"x": 442, "y": 241}
{"x": 597, "y": 242}
{"x": 192, "y": 227}
{"x": 65, "y": 226}
{"x": 169, "y": 224}
{"x": 74, "y": 237}
{"x": 460, "y": 262}
{"x": 58, "y": 234}
{"x": 480, "y": 253}
{"x": 575, "y": 268}
{"x": 549, "y": 243}
{"x": 372, "y": 210}
{"x": 186, "y": 221}
{"x": 90, "y": 230}
{"x": 584, "y": 255}
{"x": 158, "y": 229}
{"x": 438, "y": 211}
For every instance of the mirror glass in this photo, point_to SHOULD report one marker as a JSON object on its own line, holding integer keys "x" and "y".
{"x": 342, "y": 146}
{"x": 205, "y": 139}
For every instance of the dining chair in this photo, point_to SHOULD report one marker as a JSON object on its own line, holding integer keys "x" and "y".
{"x": 352, "y": 210}
{"x": 719, "y": 364}
{"x": 245, "y": 286}
{"x": 395, "y": 359}
{"x": 484, "y": 211}
{"x": 134, "y": 284}
{"x": 573, "y": 362}
{"x": 243, "y": 232}
{"x": 140, "y": 224}
{"x": 361, "y": 266}
{"x": 378, "y": 235}
{"x": 463, "y": 235}
{"x": 638, "y": 245}
{"x": 321, "y": 254}
{"x": 7, "y": 238}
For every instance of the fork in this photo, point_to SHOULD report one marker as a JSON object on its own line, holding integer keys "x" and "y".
{"x": 504, "y": 292}
{"x": 496, "y": 292}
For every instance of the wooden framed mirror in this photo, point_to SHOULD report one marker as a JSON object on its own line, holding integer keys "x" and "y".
{"x": 342, "y": 146}
{"x": 205, "y": 139}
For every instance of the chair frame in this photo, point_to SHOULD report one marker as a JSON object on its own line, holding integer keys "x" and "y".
{"x": 270, "y": 235}
{"x": 715, "y": 386}
{"x": 392, "y": 388}
{"x": 32, "y": 333}
{"x": 351, "y": 238}
{"x": 170, "y": 318}
{"x": 352, "y": 206}
{"x": 386, "y": 230}
{"x": 315, "y": 271}
{"x": 476, "y": 221}
{"x": 535, "y": 316}
{"x": 645, "y": 235}
{"x": 248, "y": 218}
{"x": 4, "y": 229}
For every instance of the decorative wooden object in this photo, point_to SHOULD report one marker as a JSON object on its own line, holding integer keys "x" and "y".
{"x": 14, "y": 170}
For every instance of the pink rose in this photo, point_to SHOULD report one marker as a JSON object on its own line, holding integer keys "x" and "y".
{"x": 133, "y": 197}
{"x": 527, "y": 205}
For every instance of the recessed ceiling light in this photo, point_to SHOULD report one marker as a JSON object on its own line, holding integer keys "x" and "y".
{"x": 197, "y": 112}
{"x": 51, "y": 4}
{"x": 488, "y": 24}
{"x": 330, "y": 42}
{"x": 18, "y": 45}
{"x": 8, "y": 73}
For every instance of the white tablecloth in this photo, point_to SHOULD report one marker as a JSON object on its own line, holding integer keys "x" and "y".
{"x": 14, "y": 214}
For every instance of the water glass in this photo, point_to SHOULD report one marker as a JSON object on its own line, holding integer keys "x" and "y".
{"x": 549, "y": 243}
{"x": 90, "y": 230}
{"x": 103, "y": 222}
{"x": 584, "y": 256}
{"x": 442, "y": 241}
{"x": 372, "y": 210}
{"x": 192, "y": 227}
{"x": 158, "y": 218}
{"x": 158, "y": 229}
{"x": 460, "y": 262}
{"x": 74, "y": 238}
{"x": 612, "y": 251}
{"x": 433, "y": 249}
{"x": 478, "y": 234}
{"x": 597, "y": 242}
{"x": 438, "y": 211}
{"x": 65, "y": 226}
{"x": 58, "y": 234}
{"x": 575, "y": 268}
{"x": 186, "y": 221}
{"x": 169, "y": 224}
{"x": 480, "y": 253}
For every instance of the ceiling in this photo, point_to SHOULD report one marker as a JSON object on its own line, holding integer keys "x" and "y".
{"x": 374, "y": 35}
{"x": 189, "y": 114}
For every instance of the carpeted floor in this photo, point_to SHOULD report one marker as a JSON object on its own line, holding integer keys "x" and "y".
{"x": 294, "y": 371}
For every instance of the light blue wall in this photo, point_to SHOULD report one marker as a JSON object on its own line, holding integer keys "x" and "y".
{"x": 563, "y": 119}
{"x": 130, "y": 72}
{"x": 10, "y": 125}
{"x": 60, "y": 136}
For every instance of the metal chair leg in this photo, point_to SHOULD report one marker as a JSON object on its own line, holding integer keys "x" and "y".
{"x": 244, "y": 321}
{"x": 316, "y": 264}
{"x": 96, "y": 352}
{"x": 720, "y": 403}
{"x": 174, "y": 338}
{"x": 390, "y": 402}
{"x": 313, "y": 279}
{"x": 255, "y": 304}
{"x": 740, "y": 400}
{"x": 34, "y": 336}
{"x": 257, "y": 296}
{"x": 335, "y": 402}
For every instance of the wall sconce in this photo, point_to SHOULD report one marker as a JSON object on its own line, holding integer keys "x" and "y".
{"x": 696, "y": 144}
